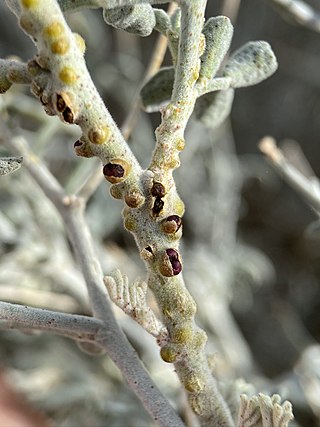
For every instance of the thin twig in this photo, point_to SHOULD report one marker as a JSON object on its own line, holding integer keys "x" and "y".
{"x": 230, "y": 9}
{"x": 90, "y": 185}
{"x": 301, "y": 12}
{"x": 82, "y": 328}
{"x": 39, "y": 298}
{"x": 309, "y": 189}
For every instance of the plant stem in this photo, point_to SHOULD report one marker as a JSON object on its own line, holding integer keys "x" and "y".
{"x": 111, "y": 337}
{"x": 81, "y": 328}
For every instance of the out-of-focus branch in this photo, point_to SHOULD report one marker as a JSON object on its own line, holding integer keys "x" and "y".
{"x": 300, "y": 12}
{"x": 81, "y": 328}
{"x": 9, "y": 164}
{"x": 309, "y": 189}
{"x": 230, "y": 9}
{"x": 35, "y": 297}
{"x": 154, "y": 65}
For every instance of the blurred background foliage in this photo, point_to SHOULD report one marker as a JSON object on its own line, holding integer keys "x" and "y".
{"x": 251, "y": 245}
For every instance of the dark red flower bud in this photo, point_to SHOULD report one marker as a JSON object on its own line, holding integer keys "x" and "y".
{"x": 158, "y": 190}
{"x": 176, "y": 266}
{"x": 171, "y": 264}
{"x": 113, "y": 170}
{"x": 116, "y": 170}
{"x": 63, "y": 105}
{"x": 158, "y": 206}
{"x": 172, "y": 224}
{"x": 68, "y": 115}
{"x": 60, "y": 103}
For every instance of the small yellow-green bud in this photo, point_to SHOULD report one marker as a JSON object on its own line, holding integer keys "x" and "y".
{"x": 178, "y": 206}
{"x": 68, "y": 75}
{"x": 169, "y": 354}
{"x": 182, "y": 335}
{"x": 199, "y": 339}
{"x": 173, "y": 163}
{"x": 180, "y": 144}
{"x": 33, "y": 68}
{"x": 99, "y": 135}
{"x": 130, "y": 224}
{"x": 29, "y": 4}
{"x": 116, "y": 192}
{"x": 193, "y": 384}
{"x": 80, "y": 42}
{"x": 60, "y": 46}
{"x": 54, "y": 30}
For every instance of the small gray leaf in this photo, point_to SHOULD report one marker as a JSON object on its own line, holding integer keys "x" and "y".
{"x": 157, "y": 91}
{"x": 214, "y": 107}
{"x": 138, "y": 19}
{"x": 9, "y": 164}
{"x": 252, "y": 63}
{"x": 218, "y": 32}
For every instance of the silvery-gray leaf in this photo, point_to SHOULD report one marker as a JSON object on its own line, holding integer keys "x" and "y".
{"x": 249, "y": 65}
{"x": 157, "y": 91}
{"x": 218, "y": 32}
{"x": 9, "y": 164}
{"x": 213, "y": 108}
{"x": 137, "y": 19}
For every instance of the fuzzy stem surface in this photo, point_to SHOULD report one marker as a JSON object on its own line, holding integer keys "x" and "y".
{"x": 110, "y": 337}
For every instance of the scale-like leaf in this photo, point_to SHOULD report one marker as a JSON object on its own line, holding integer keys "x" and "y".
{"x": 249, "y": 65}
{"x": 157, "y": 91}
{"x": 138, "y": 19}
{"x": 218, "y": 33}
{"x": 213, "y": 108}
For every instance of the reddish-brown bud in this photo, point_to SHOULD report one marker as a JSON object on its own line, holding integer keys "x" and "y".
{"x": 63, "y": 106}
{"x": 116, "y": 170}
{"x": 158, "y": 190}
{"x": 157, "y": 206}
{"x": 171, "y": 264}
{"x": 174, "y": 260}
{"x": 134, "y": 199}
{"x": 113, "y": 170}
{"x": 60, "y": 103}
{"x": 172, "y": 224}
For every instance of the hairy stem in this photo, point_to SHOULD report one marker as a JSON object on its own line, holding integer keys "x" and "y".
{"x": 81, "y": 328}
{"x": 153, "y": 208}
{"x": 111, "y": 338}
